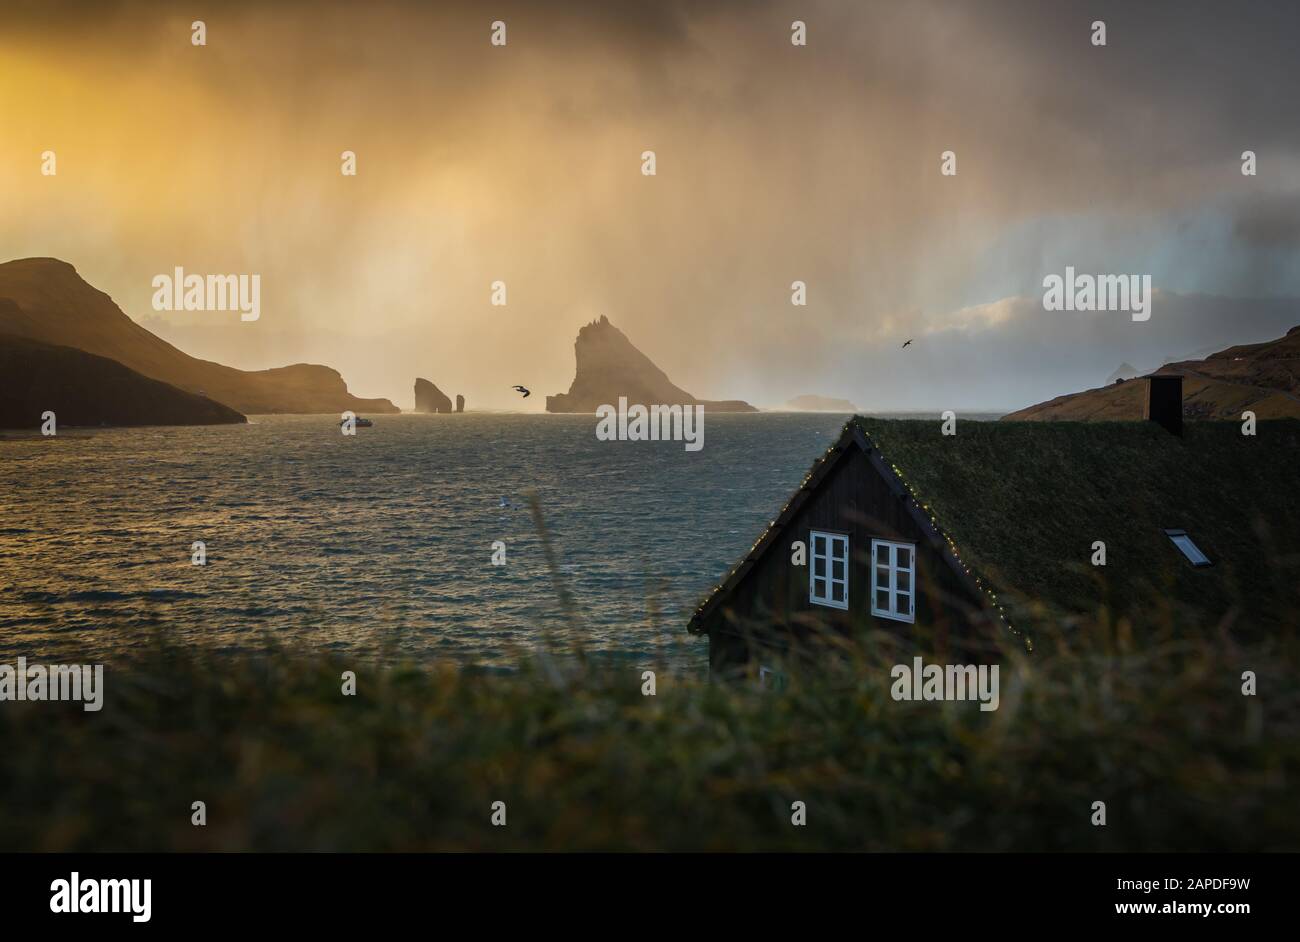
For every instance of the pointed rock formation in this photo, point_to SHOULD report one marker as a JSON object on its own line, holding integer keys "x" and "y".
{"x": 460, "y": 403}
{"x": 610, "y": 367}
{"x": 429, "y": 398}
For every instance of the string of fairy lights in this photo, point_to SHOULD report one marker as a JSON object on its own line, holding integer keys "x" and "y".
{"x": 834, "y": 449}
{"x": 983, "y": 587}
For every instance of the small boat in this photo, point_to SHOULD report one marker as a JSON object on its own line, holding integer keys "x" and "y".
{"x": 361, "y": 423}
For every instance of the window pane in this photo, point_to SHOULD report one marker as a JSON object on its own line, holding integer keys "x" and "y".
{"x": 903, "y": 581}
{"x": 819, "y": 565}
{"x": 905, "y": 557}
{"x": 819, "y": 545}
{"x": 882, "y": 600}
{"x": 837, "y": 591}
{"x": 1190, "y": 550}
{"x": 819, "y": 588}
{"x": 882, "y": 554}
{"x": 882, "y": 576}
{"x": 904, "y": 603}
{"x": 837, "y": 569}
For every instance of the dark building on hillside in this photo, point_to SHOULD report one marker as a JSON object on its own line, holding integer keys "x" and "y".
{"x": 950, "y": 540}
{"x": 852, "y": 548}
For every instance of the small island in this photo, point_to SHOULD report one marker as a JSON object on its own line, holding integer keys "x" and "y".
{"x": 812, "y": 403}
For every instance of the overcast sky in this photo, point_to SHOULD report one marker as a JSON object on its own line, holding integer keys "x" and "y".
{"x": 775, "y": 163}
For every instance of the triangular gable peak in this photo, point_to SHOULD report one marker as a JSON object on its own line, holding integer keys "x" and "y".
{"x": 852, "y": 437}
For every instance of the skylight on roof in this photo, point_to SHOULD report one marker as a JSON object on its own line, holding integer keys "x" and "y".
{"x": 1189, "y": 549}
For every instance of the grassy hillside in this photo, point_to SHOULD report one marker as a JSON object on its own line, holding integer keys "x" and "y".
{"x": 1261, "y": 377}
{"x": 1161, "y": 733}
{"x": 1123, "y": 402}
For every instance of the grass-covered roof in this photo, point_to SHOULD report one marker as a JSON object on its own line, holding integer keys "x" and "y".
{"x": 1024, "y": 503}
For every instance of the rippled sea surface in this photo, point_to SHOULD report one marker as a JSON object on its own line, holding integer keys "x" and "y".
{"x": 385, "y": 538}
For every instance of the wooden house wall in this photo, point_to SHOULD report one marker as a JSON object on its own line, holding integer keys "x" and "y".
{"x": 771, "y": 603}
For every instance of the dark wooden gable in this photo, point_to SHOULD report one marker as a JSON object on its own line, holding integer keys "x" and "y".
{"x": 852, "y": 490}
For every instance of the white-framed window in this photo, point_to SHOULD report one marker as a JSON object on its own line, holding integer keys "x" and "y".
{"x": 1189, "y": 549}
{"x": 893, "y": 580}
{"x": 828, "y": 574}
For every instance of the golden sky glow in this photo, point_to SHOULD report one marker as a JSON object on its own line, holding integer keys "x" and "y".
{"x": 775, "y": 163}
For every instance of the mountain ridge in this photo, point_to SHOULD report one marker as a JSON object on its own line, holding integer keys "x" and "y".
{"x": 84, "y": 389}
{"x": 1261, "y": 377}
{"x": 53, "y": 304}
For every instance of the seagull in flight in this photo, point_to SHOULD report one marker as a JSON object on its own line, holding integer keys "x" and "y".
{"x": 522, "y": 390}
{"x": 907, "y": 343}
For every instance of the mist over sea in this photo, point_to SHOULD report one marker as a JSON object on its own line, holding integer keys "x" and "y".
{"x": 384, "y": 539}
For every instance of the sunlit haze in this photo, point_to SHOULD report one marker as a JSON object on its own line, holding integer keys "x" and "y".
{"x": 775, "y": 163}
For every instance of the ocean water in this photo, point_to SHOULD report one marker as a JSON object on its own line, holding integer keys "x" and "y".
{"x": 383, "y": 542}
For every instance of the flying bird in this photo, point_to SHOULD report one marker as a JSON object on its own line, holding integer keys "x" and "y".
{"x": 906, "y": 343}
{"x": 522, "y": 390}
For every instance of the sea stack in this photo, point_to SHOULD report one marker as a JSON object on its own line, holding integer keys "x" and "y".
{"x": 429, "y": 398}
{"x": 610, "y": 367}
{"x": 460, "y": 403}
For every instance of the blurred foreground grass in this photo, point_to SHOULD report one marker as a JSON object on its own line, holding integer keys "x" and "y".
{"x": 584, "y": 761}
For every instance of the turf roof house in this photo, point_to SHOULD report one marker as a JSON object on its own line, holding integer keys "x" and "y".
{"x": 956, "y": 537}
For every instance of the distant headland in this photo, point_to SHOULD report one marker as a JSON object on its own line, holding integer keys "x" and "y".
{"x": 813, "y": 403}
{"x": 1263, "y": 378}
{"x": 43, "y": 383}
{"x": 48, "y": 302}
